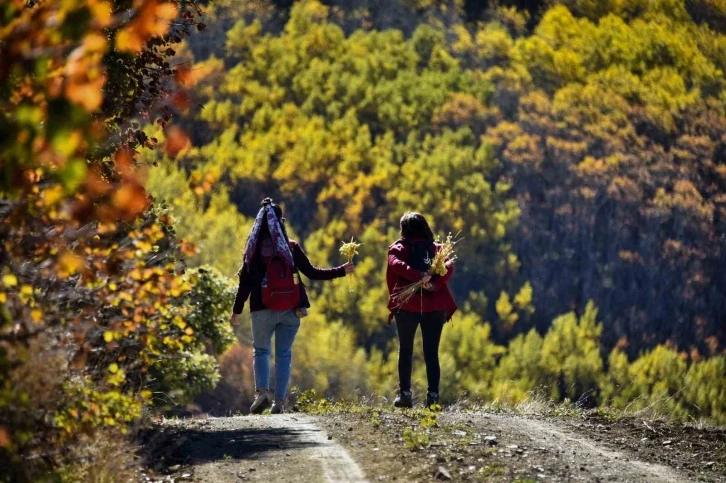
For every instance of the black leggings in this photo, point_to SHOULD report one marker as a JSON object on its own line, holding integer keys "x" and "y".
{"x": 431, "y": 325}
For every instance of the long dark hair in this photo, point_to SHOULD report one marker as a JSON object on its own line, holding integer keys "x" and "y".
{"x": 414, "y": 225}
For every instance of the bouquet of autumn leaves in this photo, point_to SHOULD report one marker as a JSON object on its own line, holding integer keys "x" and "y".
{"x": 446, "y": 253}
{"x": 350, "y": 250}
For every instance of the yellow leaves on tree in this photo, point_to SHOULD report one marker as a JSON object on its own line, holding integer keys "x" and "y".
{"x": 152, "y": 19}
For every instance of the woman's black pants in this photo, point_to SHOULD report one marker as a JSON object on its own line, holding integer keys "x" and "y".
{"x": 431, "y": 325}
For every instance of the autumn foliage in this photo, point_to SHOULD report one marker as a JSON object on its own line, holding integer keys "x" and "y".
{"x": 97, "y": 315}
{"x": 579, "y": 146}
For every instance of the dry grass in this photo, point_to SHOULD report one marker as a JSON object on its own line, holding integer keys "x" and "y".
{"x": 108, "y": 457}
{"x": 445, "y": 254}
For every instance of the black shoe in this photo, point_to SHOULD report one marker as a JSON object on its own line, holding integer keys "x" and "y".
{"x": 431, "y": 399}
{"x": 262, "y": 402}
{"x": 403, "y": 400}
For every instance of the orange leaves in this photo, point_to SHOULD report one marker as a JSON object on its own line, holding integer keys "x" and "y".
{"x": 76, "y": 221}
{"x": 181, "y": 100}
{"x": 95, "y": 185}
{"x": 84, "y": 73}
{"x": 128, "y": 197}
{"x": 153, "y": 19}
{"x": 184, "y": 76}
{"x": 176, "y": 141}
{"x": 187, "y": 248}
{"x": 201, "y": 185}
{"x": 5, "y": 441}
{"x": 130, "y": 200}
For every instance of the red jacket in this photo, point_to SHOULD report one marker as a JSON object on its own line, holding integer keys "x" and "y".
{"x": 400, "y": 274}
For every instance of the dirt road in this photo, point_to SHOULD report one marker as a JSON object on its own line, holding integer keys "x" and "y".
{"x": 284, "y": 448}
{"x": 369, "y": 446}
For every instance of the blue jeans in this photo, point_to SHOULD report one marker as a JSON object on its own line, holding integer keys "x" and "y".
{"x": 284, "y": 325}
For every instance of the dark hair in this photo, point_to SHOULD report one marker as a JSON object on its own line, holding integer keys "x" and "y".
{"x": 414, "y": 225}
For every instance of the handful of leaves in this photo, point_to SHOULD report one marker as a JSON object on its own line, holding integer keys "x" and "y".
{"x": 349, "y": 250}
{"x": 445, "y": 253}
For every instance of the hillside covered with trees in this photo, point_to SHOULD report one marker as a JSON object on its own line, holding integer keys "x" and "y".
{"x": 579, "y": 149}
{"x": 578, "y": 146}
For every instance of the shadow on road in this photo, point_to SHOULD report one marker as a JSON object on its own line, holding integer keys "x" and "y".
{"x": 191, "y": 444}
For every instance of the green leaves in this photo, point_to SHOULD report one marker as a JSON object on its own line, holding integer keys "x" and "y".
{"x": 73, "y": 174}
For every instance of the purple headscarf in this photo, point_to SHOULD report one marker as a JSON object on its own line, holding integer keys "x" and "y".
{"x": 282, "y": 247}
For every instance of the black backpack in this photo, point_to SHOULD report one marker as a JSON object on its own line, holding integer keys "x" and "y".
{"x": 420, "y": 254}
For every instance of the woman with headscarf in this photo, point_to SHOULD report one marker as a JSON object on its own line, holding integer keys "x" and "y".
{"x": 269, "y": 251}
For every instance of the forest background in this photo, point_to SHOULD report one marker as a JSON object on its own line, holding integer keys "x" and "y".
{"x": 579, "y": 146}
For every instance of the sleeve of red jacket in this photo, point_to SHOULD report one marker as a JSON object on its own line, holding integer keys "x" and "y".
{"x": 243, "y": 291}
{"x": 399, "y": 267}
{"x": 302, "y": 262}
{"x": 440, "y": 282}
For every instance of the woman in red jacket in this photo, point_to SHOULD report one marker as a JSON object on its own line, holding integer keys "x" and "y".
{"x": 409, "y": 260}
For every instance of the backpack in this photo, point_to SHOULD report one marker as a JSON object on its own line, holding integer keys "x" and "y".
{"x": 420, "y": 254}
{"x": 281, "y": 286}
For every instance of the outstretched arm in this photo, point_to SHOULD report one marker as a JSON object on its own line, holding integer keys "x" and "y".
{"x": 302, "y": 262}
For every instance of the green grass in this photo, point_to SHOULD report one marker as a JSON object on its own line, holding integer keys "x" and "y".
{"x": 492, "y": 471}
{"x": 415, "y": 439}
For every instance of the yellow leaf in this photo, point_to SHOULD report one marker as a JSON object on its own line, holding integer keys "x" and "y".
{"x": 165, "y": 13}
{"x": 108, "y": 336}
{"x": 189, "y": 331}
{"x": 135, "y": 274}
{"x": 113, "y": 368}
{"x": 3, "y": 298}
{"x": 26, "y": 290}
{"x": 70, "y": 263}
{"x": 65, "y": 143}
{"x": 10, "y": 280}
{"x": 94, "y": 42}
{"x": 101, "y": 12}
{"x": 53, "y": 195}
{"x": 36, "y": 315}
{"x": 129, "y": 40}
